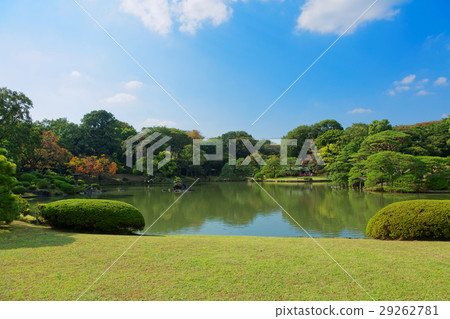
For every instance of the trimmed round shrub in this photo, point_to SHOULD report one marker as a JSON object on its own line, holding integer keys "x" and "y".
{"x": 18, "y": 190}
{"x": 58, "y": 178}
{"x": 66, "y": 188}
{"x": 92, "y": 215}
{"x": 414, "y": 219}
{"x": 42, "y": 184}
{"x": 27, "y": 177}
{"x": 39, "y": 175}
{"x": 28, "y": 219}
{"x": 26, "y": 184}
{"x": 69, "y": 179}
{"x": 24, "y": 207}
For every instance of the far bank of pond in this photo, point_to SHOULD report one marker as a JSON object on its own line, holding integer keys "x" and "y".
{"x": 243, "y": 209}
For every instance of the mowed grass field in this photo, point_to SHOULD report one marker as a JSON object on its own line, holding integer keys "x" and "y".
{"x": 38, "y": 263}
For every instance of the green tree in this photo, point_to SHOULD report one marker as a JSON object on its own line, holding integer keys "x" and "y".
{"x": 386, "y": 141}
{"x": 227, "y": 173}
{"x": 429, "y": 138}
{"x": 241, "y": 149}
{"x": 300, "y": 134}
{"x": 185, "y": 162}
{"x": 273, "y": 168}
{"x": 339, "y": 170}
{"x": 379, "y": 126}
{"x": 126, "y": 131}
{"x": 402, "y": 172}
{"x": 9, "y": 207}
{"x": 17, "y": 132}
{"x": 167, "y": 170}
{"x": 355, "y": 133}
{"x": 323, "y": 126}
{"x": 179, "y": 138}
{"x": 101, "y": 133}
{"x": 437, "y": 171}
{"x": 329, "y": 137}
{"x": 245, "y": 170}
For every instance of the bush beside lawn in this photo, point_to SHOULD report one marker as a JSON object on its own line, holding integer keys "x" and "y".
{"x": 92, "y": 215}
{"x": 415, "y": 219}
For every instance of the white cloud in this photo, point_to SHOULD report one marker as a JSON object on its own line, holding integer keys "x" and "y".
{"x": 422, "y": 83}
{"x": 132, "y": 85}
{"x": 423, "y": 92}
{"x": 360, "y": 111}
{"x": 120, "y": 98}
{"x": 406, "y": 80}
{"x": 159, "y": 15}
{"x": 75, "y": 74}
{"x": 391, "y": 92}
{"x": 442, "y": 81}
{"x": 192, "y": 13}
{"x": 157, "y": 122}
{"x": 335, "y": 16}
{"x": 155, "y": 14}
{"x": 403, "y": 88}
{"x": 444, "y": 116}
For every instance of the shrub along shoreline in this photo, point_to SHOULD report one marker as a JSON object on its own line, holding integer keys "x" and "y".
{"x": 92, "y": 215}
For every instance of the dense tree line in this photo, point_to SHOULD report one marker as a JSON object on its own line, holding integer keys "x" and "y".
{"x": 378, "y": 155}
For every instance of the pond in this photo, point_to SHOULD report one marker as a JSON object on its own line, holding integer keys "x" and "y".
{"x": 243, "y": 209}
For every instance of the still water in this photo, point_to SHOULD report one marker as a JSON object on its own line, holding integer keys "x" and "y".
{"x": 243, "y": 209}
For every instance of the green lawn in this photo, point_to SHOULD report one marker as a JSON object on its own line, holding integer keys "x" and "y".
{"x": 292, "y": 179}
{"x": 37, "y": 263}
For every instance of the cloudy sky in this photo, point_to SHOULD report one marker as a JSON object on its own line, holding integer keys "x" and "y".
{"x": 226, "y": 61}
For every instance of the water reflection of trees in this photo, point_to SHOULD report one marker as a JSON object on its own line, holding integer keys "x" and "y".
{"x": 317, "y": 208}
{"x": 230, "y": 203}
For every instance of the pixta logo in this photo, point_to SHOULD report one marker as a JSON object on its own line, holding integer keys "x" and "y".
{"x": 145, "y": 141}
{"x": 254, "y": 151}
{"x": 145, "y": 144}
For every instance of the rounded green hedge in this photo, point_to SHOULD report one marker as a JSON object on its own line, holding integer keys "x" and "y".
{"x": 94, "y": 215}
{"x": 414, "y": 219}
{"x": 19, "y": 189}
{"x": 27, "y": 177}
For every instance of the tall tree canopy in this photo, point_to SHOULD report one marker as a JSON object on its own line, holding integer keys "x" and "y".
{"x": 17, "y": 132}
{"x": 314, "y": 131}
{"x": 101, "y": 134}
{"x": 379, "y": 126}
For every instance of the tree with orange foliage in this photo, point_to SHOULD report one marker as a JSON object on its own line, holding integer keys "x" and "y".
{"x": 92, "y": 166}
{"x": 195, "y": 135}
{"x": 50, "y": 155}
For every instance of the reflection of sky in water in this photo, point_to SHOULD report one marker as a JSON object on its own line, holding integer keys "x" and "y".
{"x": 273, "y": 225}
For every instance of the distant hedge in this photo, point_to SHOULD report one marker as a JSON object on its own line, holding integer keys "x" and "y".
{"x": 94, "y": 215}
{"x": 415, "y": 219}
{"x": 27, "y": 177}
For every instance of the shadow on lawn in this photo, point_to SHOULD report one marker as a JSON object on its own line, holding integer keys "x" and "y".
{"x": 19, "y": 235}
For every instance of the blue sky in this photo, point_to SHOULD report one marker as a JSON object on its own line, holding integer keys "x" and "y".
{"x": 226, "y": 61}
